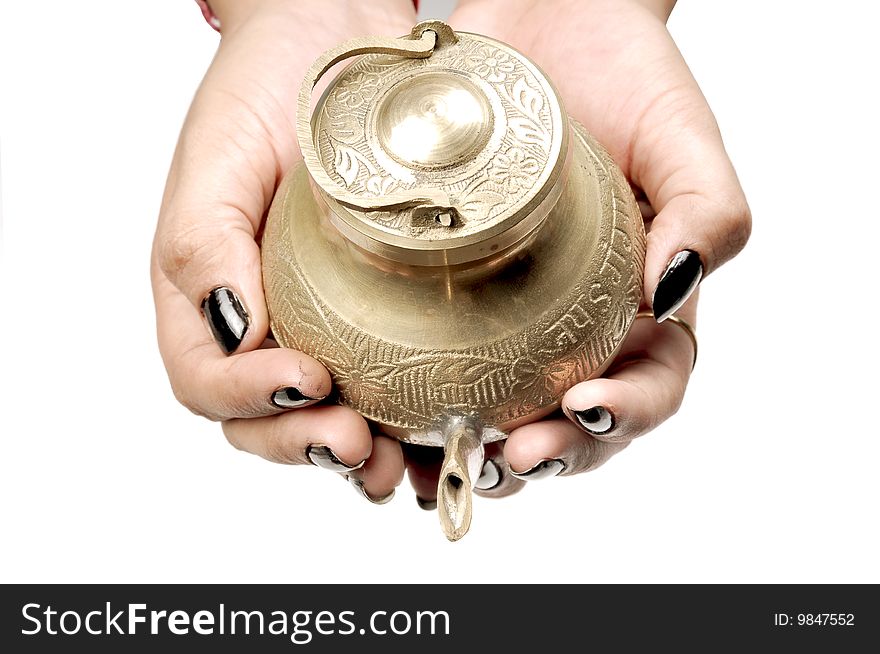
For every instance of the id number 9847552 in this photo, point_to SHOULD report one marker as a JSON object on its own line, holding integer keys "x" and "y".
{"x": 814, "y": 620}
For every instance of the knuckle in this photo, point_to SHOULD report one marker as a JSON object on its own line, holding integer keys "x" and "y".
{"x": 185, "y": 397}
{"x": 175, "y": 251}
{"x": 651, "y": 402}
{"x": 188, "y": 250}
{"x": 238, "y": 396}
{"x": 670, "y": 394}
{"x": 593, "y": 456}
{"x": 740, "y": 226}
{"x": 674, "y": 402}
{"x": 233, "y": 435}
{"x": 280, "y": 445}
{"x": 187, "y": 377}
{"x": 598, "y": 453}
{"x": 736, "y": 225}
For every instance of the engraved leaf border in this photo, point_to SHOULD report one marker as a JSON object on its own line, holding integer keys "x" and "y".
{"x": 347, "y": 163}
{"x": 528, "y": 129}
{"x": 529, "y": 102}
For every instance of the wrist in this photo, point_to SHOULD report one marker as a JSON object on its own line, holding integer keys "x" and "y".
{"x": 232, "y": 13}
{"x": 370, "y": 14}
{"x": 660, "y": 8}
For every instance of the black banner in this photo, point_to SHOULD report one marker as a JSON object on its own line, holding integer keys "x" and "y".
{"x": 327, "y": 618}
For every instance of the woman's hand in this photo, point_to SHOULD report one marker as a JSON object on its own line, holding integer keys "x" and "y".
{"x": 620, "y": 74}
{"x": 237, "y": 142}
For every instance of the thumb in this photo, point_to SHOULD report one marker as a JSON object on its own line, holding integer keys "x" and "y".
{"x": 702, "y": 219}
{"x": 219, "y": 187}
{"x": 214, "y": 261}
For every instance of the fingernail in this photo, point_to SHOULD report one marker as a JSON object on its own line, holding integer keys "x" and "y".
{"x": 359, "y": 486}
{"x": 678, "y": 281}
{"x": 426, "y": 505}
{"x": 226, "y": 317}
{"x": 291, "y": 398}
{"x": 541, "y": 470}
{"x": 323, "y": 457}
{"x": 597, "y": 420}
{"x": 490, "y": 476}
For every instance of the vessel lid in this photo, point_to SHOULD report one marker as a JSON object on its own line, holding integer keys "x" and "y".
{"x": 440, "y": 159}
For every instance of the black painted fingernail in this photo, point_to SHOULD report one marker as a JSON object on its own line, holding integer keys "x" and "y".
{"x": 597, "y": 420}
{"x": 291, "y": 398}
{"x": 490, "y": 476}
{"x": 678, "y": 281}
{"x": 324, "y": 457}
{"x": 359, "y": 487}
{"x": 226, "y": 317}
{"x": 426, "y": 505}
{"x": 541, "y": 470}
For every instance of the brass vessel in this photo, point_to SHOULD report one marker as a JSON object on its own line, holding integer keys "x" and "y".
{"x": 454, "y": 248}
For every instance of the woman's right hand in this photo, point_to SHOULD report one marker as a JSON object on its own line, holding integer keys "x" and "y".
{"x": 237, "y": 142}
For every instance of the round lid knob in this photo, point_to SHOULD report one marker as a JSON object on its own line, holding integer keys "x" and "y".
{"x": 433, "y": 120}
{"x": 474, "y": 122}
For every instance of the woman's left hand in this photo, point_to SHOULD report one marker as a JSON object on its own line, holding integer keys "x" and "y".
{"x": 620, "y": 74}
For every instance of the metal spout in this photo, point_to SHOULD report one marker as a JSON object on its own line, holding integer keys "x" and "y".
{"x": 461, "y": 469}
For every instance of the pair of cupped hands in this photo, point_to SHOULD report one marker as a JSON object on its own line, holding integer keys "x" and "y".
{"x": 619, "y": 73}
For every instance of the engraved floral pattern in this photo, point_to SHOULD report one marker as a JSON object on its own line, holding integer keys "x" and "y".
{"x": 491, "y": 64}
{"x": 514, "y": 169}
{"x": 540, "y": 382}
{"x": 355, "y": 384}
{"x": 355, "y": 89}
{"x": 509, "y": 168}
{"x": 529, "y": 103}
{"x": 379, "y": 185}
{"x": 506, "y": 380}
{"x": 347, "y": 164}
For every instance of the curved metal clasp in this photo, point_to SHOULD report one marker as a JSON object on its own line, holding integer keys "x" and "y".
{"x": 420, "y": 44}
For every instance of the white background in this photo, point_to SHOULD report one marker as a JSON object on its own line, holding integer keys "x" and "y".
{"x": 769, "y": 473}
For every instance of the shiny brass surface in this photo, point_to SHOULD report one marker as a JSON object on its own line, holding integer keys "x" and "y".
{"x": 503, "y": 338}
{"x": 433, "y": 120}
{"x": 421, "y": 44}
{"x": 460, "y": 471}
{"x": 454, "y": 249}
{"x": 432, "y": 161}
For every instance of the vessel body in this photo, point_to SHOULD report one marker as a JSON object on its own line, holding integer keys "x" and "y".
{"x": 502, "y": 338}
{"x": 453, "y": 245}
